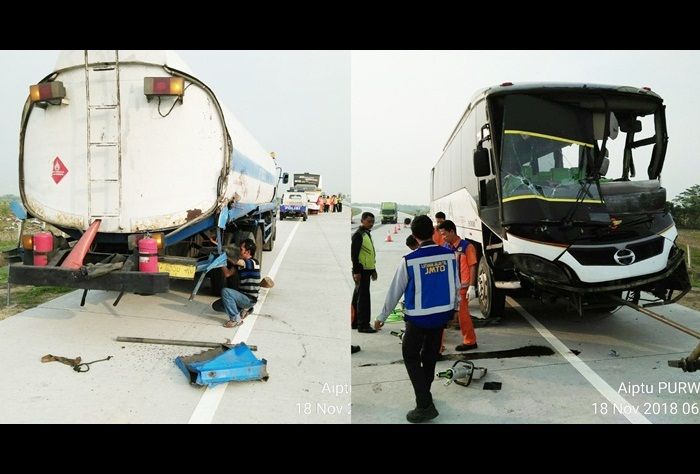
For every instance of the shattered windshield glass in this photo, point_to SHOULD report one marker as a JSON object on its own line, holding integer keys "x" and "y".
{"x": 538, "y": 166}
{"x": 548, "y": 149}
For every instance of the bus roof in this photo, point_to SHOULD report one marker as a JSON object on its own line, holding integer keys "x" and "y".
{"x": 551, "y": 87}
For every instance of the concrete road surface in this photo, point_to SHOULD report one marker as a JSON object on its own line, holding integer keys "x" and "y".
{"x": 620, "y": 374}
{"x": 301, "y": 328}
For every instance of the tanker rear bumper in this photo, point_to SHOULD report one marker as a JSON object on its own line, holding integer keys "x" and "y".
{"x": 126, "y": 281}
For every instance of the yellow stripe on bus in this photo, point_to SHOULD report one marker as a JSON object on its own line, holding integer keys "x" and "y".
{"x": 541, "y": 135}
{"x": 534, "y": 196}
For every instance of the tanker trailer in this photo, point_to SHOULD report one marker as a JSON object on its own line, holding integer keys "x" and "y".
{"x": 116, "y": 146}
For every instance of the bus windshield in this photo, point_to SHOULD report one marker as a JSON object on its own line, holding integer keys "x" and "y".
{"x": 540, "y": 166}
{"x": 548, "y": 149}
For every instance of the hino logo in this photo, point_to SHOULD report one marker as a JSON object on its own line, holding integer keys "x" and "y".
{"x": 624, "y": 257}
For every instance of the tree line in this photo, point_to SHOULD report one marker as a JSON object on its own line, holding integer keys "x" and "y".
{"x": 685, "y": 208}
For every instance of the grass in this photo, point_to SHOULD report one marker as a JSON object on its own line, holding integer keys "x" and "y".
{"x": 8, "y": 239}
{"x": 35, "y": 295}
{"x": 23, "y": 297}
{"x": 688, "y": 238}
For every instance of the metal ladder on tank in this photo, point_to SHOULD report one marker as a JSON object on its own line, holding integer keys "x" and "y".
{"x": 106, "y": 148}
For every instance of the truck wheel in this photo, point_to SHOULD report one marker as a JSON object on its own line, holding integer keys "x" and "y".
{"x": 281, "y": 217}
{"x": 492, "y": 300}
{"x": 216, "y": 281}
{"x": 304, "y": 218}
{"x": 269, "y": 245}
{"x": 258, "y": 244}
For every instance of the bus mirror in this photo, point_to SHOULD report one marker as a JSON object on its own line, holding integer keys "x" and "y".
{"x": 482, "y": 165}
{"x": 285, "y": 178}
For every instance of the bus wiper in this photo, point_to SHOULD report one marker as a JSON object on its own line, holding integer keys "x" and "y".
{"x": 589, "y": 224}
{"x": 580, "y": 196}
{"x": 643, "y": 220}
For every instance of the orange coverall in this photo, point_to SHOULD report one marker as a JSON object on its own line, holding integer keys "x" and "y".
{"x": 466, "y": 262}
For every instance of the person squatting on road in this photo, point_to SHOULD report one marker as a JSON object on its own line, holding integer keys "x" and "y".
{"x": 466, "y": 263}
{"x": 363, "y": 269}
{"x": 429, "y": 282}
{"x": 238, "y": 303}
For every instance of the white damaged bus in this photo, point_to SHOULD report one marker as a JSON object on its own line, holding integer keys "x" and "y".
{"x": 559, "y": 188}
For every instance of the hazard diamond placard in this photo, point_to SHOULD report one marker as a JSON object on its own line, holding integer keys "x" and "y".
{"x": 59, "y": 170}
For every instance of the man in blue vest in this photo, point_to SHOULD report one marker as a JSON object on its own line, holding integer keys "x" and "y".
{"x": 428, "y": 279}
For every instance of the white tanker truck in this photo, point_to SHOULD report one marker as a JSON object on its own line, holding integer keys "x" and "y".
{"x": 128, "y": 144}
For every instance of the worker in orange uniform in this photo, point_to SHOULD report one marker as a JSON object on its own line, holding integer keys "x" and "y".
{"x": 437, "y": 236}
{"x": 466, "y": 262}
{"x": 321, "y": 203}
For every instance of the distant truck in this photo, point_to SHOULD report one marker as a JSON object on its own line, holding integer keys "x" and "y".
{"x": 293, "y": 205}
{"x": 526, "y": 176}
{"x": 311, "y": 185}
{"x": 389, "y": 212}
{"x": 133, "y": 144}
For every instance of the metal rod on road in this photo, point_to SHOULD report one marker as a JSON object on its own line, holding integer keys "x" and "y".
{"x": 657, "y": 316}
{"x": 177, "y": 342}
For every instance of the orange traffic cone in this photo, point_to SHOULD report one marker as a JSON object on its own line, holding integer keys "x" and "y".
{"x": 77, "y": 255}
{"x": 395, "y": 231}
{"x": 388, "y": 238}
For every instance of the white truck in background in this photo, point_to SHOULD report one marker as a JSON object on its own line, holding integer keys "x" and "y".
{"x": 311, "y": 185}
{"x": 134, "y": 140}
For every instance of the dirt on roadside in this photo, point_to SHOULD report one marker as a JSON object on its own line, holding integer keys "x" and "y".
{"x": 692, "y": 299}
{"x": 23, "y": 297}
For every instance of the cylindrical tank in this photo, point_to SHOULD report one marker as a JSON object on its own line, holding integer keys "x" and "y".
{"x": 43, "y": 244}
{"x": 148, "y": 255}
{"x": 136, "y": 186}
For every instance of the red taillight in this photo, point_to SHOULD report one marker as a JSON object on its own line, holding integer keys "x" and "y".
{"x": 51, "y": 92}
{"x": 158, "y": 86}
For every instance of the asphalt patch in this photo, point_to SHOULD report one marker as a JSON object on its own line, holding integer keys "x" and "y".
{"x": 526, "y": 351}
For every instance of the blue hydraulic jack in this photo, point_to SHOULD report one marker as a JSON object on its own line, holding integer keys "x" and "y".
{"x": 224, "y": 364}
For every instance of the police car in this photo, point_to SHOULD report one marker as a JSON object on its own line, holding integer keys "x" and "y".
{"x": 293, "y": 205}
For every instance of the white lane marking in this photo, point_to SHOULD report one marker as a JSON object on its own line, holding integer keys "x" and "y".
{"x": 211, "y": 398}
{"x": 629, "y": 411}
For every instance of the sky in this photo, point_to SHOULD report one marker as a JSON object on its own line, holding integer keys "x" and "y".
{"x": 405, "y": 105}
{"x": 295, "y": 103}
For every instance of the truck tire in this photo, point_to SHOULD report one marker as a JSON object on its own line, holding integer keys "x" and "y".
{"x": 216, "y": 282}
{"x": 281, "y": 216}
{"x": 304, "y": 218}
{"x": 492, "y": 300}
{"x": 270, "y": 244}
{"x": 258, "y": 244}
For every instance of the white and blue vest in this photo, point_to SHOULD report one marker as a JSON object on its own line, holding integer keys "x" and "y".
{"x": 433, "y": 280}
